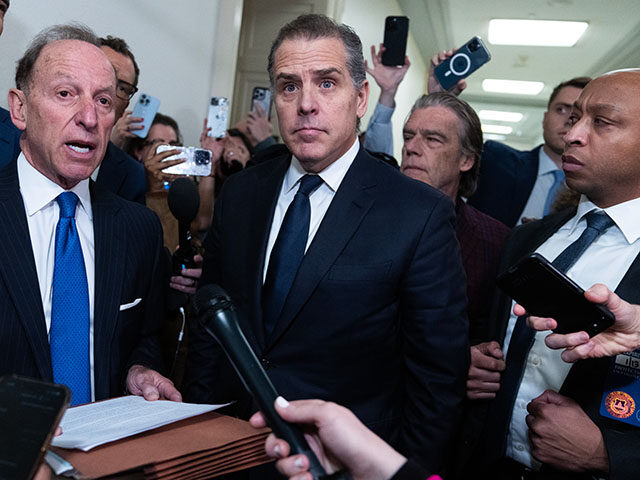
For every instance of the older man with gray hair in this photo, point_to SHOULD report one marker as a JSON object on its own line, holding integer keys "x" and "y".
{"x": 81, "y": 270}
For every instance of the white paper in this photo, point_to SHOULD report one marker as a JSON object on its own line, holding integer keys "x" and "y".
{"x": 89, "y": 426}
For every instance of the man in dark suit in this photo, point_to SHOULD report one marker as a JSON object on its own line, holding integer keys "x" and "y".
{"x": 548, "y": 418}
{"x": 372, "y": 315}
{"x": 113, "y": 280}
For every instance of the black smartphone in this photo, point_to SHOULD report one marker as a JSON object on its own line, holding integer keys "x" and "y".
{"x": 467, "y": 59}
{"x": 396, "y": 30}
{"x": 30, "y": 411}
{"x": 262, "y": 97}
{"x": 544, "y": 291}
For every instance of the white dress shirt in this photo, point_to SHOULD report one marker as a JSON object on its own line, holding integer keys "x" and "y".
{"x": 39, "y": 197}
{"x": 320, "y": 199}
{"x": 534, "y": 208}
{"x": 605, "y": 261}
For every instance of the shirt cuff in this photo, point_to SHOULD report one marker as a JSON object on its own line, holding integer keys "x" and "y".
{"x": 382, "y": 113}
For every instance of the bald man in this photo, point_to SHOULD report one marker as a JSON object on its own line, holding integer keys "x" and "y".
{"x": 550, "y": 419}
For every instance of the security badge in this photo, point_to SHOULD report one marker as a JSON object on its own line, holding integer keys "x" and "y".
{"x": 621, "y": 396}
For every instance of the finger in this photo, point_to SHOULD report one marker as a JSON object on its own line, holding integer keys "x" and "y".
{"x": 599, "y": 293}
{"x": 556, "y": 341}
{"x": 257, "y": 420}
{"x": 578, "y": 353}
{"x": 149, "y": 391}
{"x": 135, "y": 126}
{"x": 484, "y": 375}
{"x": 183, "y": 288}
{"x": 541, "y": 323}
{"x": 489, "y": 348}
{"x": 58, "y": 432}
{"x": 276, "y": 447}
{"x": 300, "y": 411}
{"x": 170, "y": 163}
{"x": 131, "y": 120}
{"x": 193, "y": 273}
{"x": 168, "y": 391}
{"x": 480, "y": 386}
{"x": 293, "y": 466}
{"x": 549, "y": 396}
{"x": 472, "y": 395}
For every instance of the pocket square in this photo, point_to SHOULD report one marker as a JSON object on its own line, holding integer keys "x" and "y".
{"x": 127, "y": 306}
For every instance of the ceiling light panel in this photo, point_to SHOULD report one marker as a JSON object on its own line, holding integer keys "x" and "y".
{"x": 541, "y": 33}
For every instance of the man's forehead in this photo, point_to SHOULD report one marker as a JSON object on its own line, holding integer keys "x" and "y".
{"x": 617, "y": 90}
{"x": 73, "y": 55}
{"x": 300, "y": 52}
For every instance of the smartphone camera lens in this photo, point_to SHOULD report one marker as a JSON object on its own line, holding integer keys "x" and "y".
{"x": 474, "y": 45}
{"x": 201, "y": 158}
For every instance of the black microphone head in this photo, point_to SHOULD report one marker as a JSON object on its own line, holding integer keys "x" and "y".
{"x": 184, "y": 200}
{"x": 210, "y": 296}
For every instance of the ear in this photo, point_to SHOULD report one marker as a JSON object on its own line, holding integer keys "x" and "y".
{"x": 18, "y": 108}
{"x": 363, "y": 98}
{"x": 466, "y": 163}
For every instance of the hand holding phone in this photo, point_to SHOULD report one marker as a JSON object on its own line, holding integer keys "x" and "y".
{"x": 146, "y": 108}
{"x": 544, "y": 291}
{"x": 466, "y": 60}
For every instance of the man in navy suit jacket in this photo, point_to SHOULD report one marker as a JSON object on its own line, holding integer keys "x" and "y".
{"x": 63, "y": 105}
{"x": 375, "y": 316}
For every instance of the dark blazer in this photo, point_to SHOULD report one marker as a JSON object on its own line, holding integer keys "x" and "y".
{"x": 9, "y": 138}
{"x": 128, "y": 265}
{"x": 375, "y": 318}
{"x": 507, "y": 177}
{"x": 481, "y": 240}
{"x": 122, "y": 174}
{"x": 585, "y": 380}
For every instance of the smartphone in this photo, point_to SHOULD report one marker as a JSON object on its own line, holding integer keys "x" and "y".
{"x": 262, "y": 97}
{"x": 396, "y": 30}
{"x": 544, "y": 291}
{"x": 146, "y": 107}
{"x": 197, "y": 161}
{"x": 218, "y": 117}
{"x": 30, "y": 411}
{"x": 467, "y": 59}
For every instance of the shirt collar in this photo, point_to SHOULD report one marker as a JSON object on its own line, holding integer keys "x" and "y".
{"x": 545, "y": 164}
{"x": 332, "y": 175}
{"x": 39, "y": 192}
{"x": 624, "y": 215}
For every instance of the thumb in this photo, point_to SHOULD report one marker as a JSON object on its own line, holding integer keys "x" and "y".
{"x": 549, "y": 396}
{"x": 299, "y": 411}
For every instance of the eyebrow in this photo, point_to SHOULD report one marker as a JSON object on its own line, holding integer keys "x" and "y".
{"x": 427, "y": 133}
{"x": 65, "y": 76}
{"x": 323, "y": 72}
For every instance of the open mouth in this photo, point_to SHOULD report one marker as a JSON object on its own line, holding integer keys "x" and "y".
{"x": 79, "y": 147}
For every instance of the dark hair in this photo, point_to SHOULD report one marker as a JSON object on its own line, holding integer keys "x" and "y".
{"x": 136, "y": 143}
{"x": 234, "y": 132}
{"x": 314, "y": 26}
{"x": 470, "y": 133}
{"x": 71, "y": 31}
{"x": 120, "y": 46}
{"x": 577, "y": 82}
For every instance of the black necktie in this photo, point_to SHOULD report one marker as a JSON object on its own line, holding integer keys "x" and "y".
{"x": 287, "y": 252}
{"x": 523, "y": 338}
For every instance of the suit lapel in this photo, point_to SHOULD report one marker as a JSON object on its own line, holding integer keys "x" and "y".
{"x": 349, "y": 206}
{"x": 18, "y": 269}
{"x": 109, "y": 274}
{"x": 264, "y": 201}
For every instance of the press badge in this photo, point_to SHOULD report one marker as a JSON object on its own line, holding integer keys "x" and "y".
{"x": 621, "y": 396}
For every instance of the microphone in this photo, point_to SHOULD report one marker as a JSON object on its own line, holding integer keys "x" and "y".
{"x": 184, "y": 202}
{"x": 218, "y": 316}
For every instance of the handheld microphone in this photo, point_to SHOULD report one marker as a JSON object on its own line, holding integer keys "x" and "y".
{"x": 184, "y": 202}
{"x": 217, "y": 315}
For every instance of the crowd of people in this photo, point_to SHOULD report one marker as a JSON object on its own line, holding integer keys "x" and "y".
{"x": 365, "y": 288}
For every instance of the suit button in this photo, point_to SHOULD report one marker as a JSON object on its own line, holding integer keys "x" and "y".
{"x": 265, "y": 363}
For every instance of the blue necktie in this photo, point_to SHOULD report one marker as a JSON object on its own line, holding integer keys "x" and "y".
{"x": 287, "y": 252}
{"x": 558, "y": 181}
{"x": 523, "y": 337}
{"x": 69, "y": 333}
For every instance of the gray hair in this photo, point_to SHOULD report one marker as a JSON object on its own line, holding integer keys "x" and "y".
{"x": 470, "y": 133}
{"x": 71, "y": 31}
{"x": 314, "y": 26}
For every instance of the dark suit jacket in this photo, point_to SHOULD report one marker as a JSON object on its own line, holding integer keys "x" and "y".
{"x": 507, "y": 177}
{"x": 9, "y": 138}
{"x": 128, "y": 265}
{"x": 375, "y": 318}
{"x": 585, "y": 380}
{"x": 122, "y": 174}
{"x": 481, "y": 239}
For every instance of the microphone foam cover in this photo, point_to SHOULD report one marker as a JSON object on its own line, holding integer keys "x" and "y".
{"x": 184, "y": 200}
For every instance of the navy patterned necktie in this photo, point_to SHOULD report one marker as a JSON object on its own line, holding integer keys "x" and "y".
{"x": 523, "y": 337}
{"x": 287, "y": 252}
{"x": 69, "y": 333}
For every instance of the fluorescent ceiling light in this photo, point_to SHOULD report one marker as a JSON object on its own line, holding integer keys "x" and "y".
{"x": 501, "y": 129}
{"x": 493, "y": 136}
{"x": 543, "y": 33}
{"x": 517, "y": 87}
{"x": 500, "y": 116}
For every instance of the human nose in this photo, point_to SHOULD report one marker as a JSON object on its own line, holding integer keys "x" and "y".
{"x": 87, "y": 114}
{"x": 308, "y": 102}
{"x": 577, "y": 134}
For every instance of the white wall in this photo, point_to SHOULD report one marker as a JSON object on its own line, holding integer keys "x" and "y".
{"x": 367, "y": 19}
{"x": 175, "y": 45}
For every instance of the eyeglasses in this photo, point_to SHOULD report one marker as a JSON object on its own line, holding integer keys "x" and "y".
{"x": 125, "y": 90}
